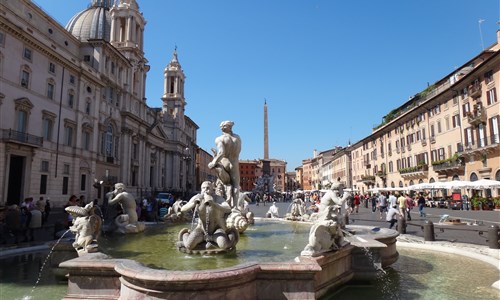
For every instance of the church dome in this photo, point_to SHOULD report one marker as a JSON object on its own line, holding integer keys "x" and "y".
{"x": 92, "y": 23}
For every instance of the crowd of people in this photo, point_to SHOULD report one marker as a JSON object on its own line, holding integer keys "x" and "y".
{"x": 20, "y": 223}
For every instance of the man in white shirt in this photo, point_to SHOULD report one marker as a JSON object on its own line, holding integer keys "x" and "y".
{"x": 273, "y": 211}
{"x": 392, "y": 215}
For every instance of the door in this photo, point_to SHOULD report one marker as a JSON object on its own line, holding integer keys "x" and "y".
{"x": 16, "y": 175}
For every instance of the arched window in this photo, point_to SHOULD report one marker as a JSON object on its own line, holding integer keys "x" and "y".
{"x": 401, "y": 184}
{"x": 392, "y": 184}
{"x": 420, "y": 181}
{"x": 391, "y": 167}
{"x": 497, "y": 175}
{"x": 431, "y": 180}
{"x": 473, "y": 177}
{"x": 455, "y": 177}
{"x": 411, "y": 182}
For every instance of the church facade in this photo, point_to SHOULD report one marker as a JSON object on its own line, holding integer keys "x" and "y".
{"x": 73, "y": 111}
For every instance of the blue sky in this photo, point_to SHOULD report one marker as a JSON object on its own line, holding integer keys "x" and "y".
{"x": 330, "y": 70}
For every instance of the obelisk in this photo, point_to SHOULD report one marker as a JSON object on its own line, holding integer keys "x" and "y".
{"x": 266, "y": 168}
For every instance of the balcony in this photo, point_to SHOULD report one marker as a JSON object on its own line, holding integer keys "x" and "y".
{"x": 381, "y": 174}
{"x": 408, "y": 147}
{"x": 454, "y": 165}
{"x": 478, "y": 115}
{"x": 424, "y": 142}
{"x": 486, "y": 144}
{"x": 414, "y": 172}
{"x": 474, "y": 90}
{"x": 17, "y": 137}
{"x": 368, "y": 179}
{"x": 397, "y": 150}
{"x": 432, "y": 139}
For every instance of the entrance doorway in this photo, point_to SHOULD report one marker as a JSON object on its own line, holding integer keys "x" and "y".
{"x": 16, "y": 175}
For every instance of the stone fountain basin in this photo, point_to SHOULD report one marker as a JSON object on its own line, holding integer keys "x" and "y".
{"x": 97, "y": 275}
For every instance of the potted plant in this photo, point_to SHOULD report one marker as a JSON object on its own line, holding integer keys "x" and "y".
{"x": 496, "y": 201}
{"x": 476, "y": 203}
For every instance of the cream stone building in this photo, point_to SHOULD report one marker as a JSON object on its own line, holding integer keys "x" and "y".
{"x": 449, "y": 131}
{"x": 73, "y": 112}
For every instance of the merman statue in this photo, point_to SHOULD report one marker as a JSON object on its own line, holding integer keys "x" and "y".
{"x": 211, "y": 234}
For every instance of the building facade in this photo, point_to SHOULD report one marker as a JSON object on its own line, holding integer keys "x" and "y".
{"x": 74, "y": 117}
{"x": 449, "y": 131}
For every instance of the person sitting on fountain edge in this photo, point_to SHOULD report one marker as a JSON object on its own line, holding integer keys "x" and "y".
{"x": 273, "y": 211}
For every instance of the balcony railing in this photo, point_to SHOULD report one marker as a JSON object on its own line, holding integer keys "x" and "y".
{"x": 448, "y": 165}
{"x": 481, "y": 143}
{"x": 414, "y": 171}
{"x": 381, "y": 174}
{"x": 424, "y": 142}
{"x": 474, "y": 90}
{"x": 367, "y": 179}
{"x": 478, "y": 115}
{"x": 12, "y": 136}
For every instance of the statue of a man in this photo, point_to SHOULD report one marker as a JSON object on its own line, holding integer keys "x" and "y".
{"x": 211, "y": 229}
{"x": 226, "y": 161}
{"x": 128, "y": 221}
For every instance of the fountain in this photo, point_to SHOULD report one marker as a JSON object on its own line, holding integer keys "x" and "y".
{"x": 328, "y": 260}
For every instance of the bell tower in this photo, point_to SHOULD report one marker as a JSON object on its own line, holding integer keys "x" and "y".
{"x": 173, "y": 89}
{"x": 127, "y": 35}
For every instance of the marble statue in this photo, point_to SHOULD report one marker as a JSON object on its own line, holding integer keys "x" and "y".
{"x": 241, "y": 217}
{"x": 86, "y": 227}
{"x": 175, "y": 214}
{"x": 127, "y": 222}
{"x": 332, "y": 197}
{"x": 226, "y": 161}
{"x": 211, "y": 234}
{"x": 325, "y": 234}
{"x": 297, "y": 209}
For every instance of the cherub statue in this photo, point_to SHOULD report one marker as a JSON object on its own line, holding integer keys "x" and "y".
{"x": 86, "y": 227}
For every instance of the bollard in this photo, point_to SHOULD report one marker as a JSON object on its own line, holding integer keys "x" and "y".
{"x": 402, "y": 226}
{"x": 494, "y": 237}
{"x": 429, "y": 231}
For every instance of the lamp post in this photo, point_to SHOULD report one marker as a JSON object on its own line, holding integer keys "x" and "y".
{"x": 186, "y": 184}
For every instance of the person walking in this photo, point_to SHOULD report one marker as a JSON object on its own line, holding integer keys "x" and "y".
{"x": 402, "y": 205}
{"x": 374, "y": 201}
{"x": 47, "y": 210}
{"x": 392, "y": 216}
{"x": 382, "y": 204}
{"x": 421, "y": 205}
{"x": 356, "y": 203}
{"x": 409, "y": 206}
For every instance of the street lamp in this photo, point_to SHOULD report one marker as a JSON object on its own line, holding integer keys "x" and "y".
{"x": 186, "y": 157}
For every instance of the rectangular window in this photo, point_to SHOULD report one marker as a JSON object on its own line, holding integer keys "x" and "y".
{"x": 65, "y": 185}
{"x": 447, "y": 122}
{"x": 2, "y": 39}
{"x": 50, "y": 90}
{"x": 495, "y": 129}
{"x": 27, "y": 54}
{"x": 25, "y": 79}
{"x": 43, "y": 184}
{"x": 22, "y": 119}
{"x": 491, "y": 96}
{"x": 86, "y": 140}
{"x": 47, "y": 129}
{"x": 469, "y": 137}
{"x": 86, "y": 58}
{"x": 52, "y": 68}
{"x": 65, "y": 169}
{"x": 432, "y": 131}
{"x": 438, "y": 126}
{"x": 68, "y": 136}
{"x": 45, "y": 166}
{"x": 456, "y": 121}
{"x": 466, "y": 108}
{"x": 72, "y": 79}
{"x": 83, "y": 182}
